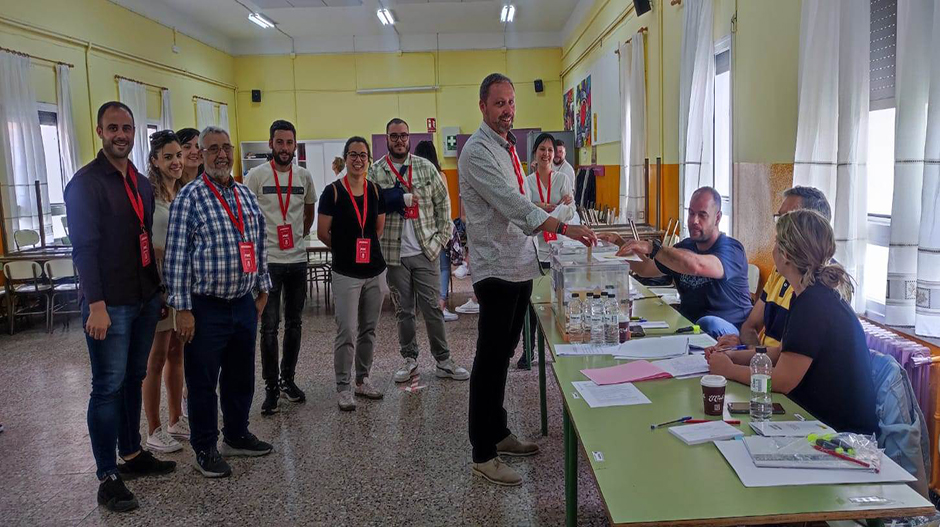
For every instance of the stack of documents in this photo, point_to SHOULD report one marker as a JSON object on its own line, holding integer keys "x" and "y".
{"x": 639, "y": 370}
{"x": 654, "y": 348}
{"x": 790, "y": 428}
{"x": 611, "y": 395}
{"x": 705, "y": 432}
{"x": 685, "y": 366}
{"x": 571, "y": 350}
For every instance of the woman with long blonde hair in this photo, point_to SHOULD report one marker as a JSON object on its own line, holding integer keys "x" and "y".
{"x": 824, "y": 363}
{"x": 166, "y": 165}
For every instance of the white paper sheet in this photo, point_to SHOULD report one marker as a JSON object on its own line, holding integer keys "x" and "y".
{"x": 704, "y": 432}
{"x": 611, "y": 395}
{"x": 752, "y": 476}
{"x": 569, "y": 350}
{"x": 684, "y": 366}
{"x": 653, "y": 324}
{"x": 702, "y": 340}
{"x": 789, "y": 428}
{"x": 612, "y": 257}
{"x": 654, "y": 348}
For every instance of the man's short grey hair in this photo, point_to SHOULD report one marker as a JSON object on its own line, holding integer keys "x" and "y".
{"x": 716, "y": 197}
{"x": 811, "y": 198}
{"x": 211, "y": 130}
{"x": 491, "y": 79}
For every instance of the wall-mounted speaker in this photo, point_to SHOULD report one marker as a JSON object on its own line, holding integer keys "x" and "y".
{"x": 539, "y": 86}
{"x": 255, "y": 95}
{"x": 641, "y": 6}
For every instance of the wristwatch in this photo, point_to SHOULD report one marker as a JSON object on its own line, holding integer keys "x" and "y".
{"x": 657, "y": 245}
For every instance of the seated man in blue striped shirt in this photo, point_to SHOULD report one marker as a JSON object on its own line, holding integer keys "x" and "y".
{"x": 216, "y": 272}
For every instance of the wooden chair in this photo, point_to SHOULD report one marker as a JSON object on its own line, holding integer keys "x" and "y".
{"x": 25, "y": 281}
{"x": 64, "y": 281}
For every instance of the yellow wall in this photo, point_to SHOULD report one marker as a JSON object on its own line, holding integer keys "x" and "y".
{"x": 121, "y": 43}
{"x": 318, "y": 92}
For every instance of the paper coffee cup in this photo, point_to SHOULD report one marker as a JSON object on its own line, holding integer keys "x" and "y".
{"x": 713, "y": 393}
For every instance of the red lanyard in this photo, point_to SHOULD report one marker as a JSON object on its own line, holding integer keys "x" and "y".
{"x": 398, "y": 175}
{"x": 539, "y": 183}
{"x": 365, "y": 204}
{"x": 290, "y": 180}
{"x": 138, "y": 204}
{"x": 239, "y": 222}
{"x": 517, "y": 166}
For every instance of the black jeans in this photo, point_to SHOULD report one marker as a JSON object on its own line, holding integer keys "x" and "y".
{"x": 292, "y": 279}
{"x": 502, "y": 312}
{"x": 222, "y": 353}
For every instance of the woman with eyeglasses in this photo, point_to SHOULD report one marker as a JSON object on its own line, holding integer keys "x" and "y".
{"x": 351, "y": 220}
{"x": 166, "y": 165}
{"x": 192, "y": 157}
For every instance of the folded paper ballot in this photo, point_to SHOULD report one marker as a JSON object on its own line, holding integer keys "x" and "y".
{"x": 638, "y": 370}
{"x": 705, "y": 432}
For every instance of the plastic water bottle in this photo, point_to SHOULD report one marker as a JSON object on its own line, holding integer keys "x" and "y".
{"x": 597, "y": 318}
{"x": 611, "y": 324}
{"x": 574, "y": 318}
{"x": 761, "y": 402}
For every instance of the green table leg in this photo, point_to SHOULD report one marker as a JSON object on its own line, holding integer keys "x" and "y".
{"x": 571, "y": 473}
{"x": 543, "y": 403}
{"x": 527, "y": 340}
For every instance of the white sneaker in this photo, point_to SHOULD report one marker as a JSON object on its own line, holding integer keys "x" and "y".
{"x": 407, "y": 371}
{"x": 469, "y": 308}
{"x": 448, "y": 316}
{"x": 161, "y": 441}
{"x": 462, "y": 271}
{"x": 180, "y": 430}
{"x": 447, "y": 369}
{"x": 346, "y": 401}
{"x": 368, "y": 390}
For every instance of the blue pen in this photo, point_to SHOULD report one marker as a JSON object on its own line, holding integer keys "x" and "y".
{"x": 675, "y": 421}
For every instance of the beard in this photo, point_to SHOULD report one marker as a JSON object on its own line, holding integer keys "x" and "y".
{"x": 279, "y": 158}
{"x": 114, "y": 150}
{"x": 217, "y": 173}
{"x": 392, "y": 149}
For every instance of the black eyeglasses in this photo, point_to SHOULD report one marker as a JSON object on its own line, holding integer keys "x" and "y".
{"x": 398, "y": 137}
{"x": 358, "y": 155}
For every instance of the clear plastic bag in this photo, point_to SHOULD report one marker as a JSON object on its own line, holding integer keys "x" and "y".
{"x": 835, "y": 451}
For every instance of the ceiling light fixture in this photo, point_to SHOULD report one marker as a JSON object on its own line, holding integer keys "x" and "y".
{"x": 507, "y": 14}
{"x": 385, "y": 16}
{"x": 261, "y": 20}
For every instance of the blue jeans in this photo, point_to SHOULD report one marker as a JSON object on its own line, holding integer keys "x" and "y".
{"x": 118, "y": 367}
{"x": 222, "y": 353}
{"x": 716, "y": 326}
{"x": 445, "y": 273}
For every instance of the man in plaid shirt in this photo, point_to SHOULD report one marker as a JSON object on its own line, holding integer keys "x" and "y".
{"x": 215, "y": 267}
{"x": 411, "y": 244}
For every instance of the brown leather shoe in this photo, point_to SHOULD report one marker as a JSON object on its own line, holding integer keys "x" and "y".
{"x": 495, "y": 471}
{"x": 512, "y": 446}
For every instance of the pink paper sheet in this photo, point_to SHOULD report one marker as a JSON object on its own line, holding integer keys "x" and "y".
{"x": 638, "y": 370}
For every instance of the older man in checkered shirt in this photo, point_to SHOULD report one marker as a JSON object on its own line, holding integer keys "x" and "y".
{"x": 411, "y": 244}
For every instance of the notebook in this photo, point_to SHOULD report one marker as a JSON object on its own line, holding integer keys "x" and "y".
{"x": 705, "y": 432}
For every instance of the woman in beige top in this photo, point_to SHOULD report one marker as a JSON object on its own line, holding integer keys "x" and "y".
{"x": 166, "y": 356}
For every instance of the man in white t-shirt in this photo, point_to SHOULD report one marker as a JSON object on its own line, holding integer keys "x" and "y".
{"x": 286, "y": 196}
{"x": 560, "y": 165}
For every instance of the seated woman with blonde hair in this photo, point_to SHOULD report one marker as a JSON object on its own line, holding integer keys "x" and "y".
{"x": 824, "y": 363}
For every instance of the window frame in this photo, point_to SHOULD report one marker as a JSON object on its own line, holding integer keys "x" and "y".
{"x": 879, "y": 228}
{"x": 49, "y": 108}
{"x": 724, "y": 45}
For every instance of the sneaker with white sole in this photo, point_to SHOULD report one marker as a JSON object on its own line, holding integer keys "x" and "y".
{"x": 346, "y": 401}
{"x": 407, "y": 371}
{"x": 448, "y": 316}
{"x": 468, "y": 308}
{"x": 462, "y": 271}
{"x": 161, "y": 441}
{"x": 495, "y": 471}
{"x": 368, "y": 390}
{"x": 447, "y": 369}
{"x": 180, "y": 429}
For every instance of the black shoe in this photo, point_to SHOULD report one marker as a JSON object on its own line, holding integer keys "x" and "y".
{"x": 271, "y": 395}
{"x": 292, "y": 392}
{"x": 144, "y": 464}
{"x": 247, "y": 445}
{"x": 211, "y": 464}
{"x": 114, "y": 495}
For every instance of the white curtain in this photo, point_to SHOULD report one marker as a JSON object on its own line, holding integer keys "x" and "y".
{"x": 20, "y": 147}
{"x": 633, "y": 131}
{"x": 65, "y": 125}
{"x": 134, "y": 95}
{"x": 913, "y": 297}
{"x": 696, "y": 101}
{"x": 205, "y": 114}
{"x": 166, "y": 110}
{"x": 832, "y": 130}
{"x": 223, "y": 116}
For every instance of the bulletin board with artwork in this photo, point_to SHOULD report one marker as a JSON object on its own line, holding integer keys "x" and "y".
{"x": 584, "y": 118}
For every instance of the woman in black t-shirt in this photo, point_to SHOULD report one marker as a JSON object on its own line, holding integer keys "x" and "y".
{"x": 351, "y": 219}
{"x": 824, "y": 364}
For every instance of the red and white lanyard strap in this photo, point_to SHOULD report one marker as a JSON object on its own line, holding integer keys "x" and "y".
{"x": 538, "y": 181}
{"x": 137, "y": 203}
{"x": 284, "y": 203}
{"x": 407, "y": 184}
{"x": 517, "y": 167}
{"x": 361, "y": 217}
{"x": 239, "y": 221}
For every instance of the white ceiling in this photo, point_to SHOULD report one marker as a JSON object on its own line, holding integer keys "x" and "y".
{"x": 335, "y": 26}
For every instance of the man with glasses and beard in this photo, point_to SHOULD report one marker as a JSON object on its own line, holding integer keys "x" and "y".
{"x": 216, "y": 273}
{"x": 110, "y": 210}
{"x": 560, "y": 164}
{"x": 411, "y": 243}
{"x": 286, "y": 196}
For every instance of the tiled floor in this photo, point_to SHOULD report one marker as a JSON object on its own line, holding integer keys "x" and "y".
{"x": 404, "y": 460}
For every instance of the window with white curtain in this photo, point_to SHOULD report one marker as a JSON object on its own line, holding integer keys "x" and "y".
{"x": 152, "y": 128}
{"x": 722, "y": 161}
{"x": 48, "y": 119}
